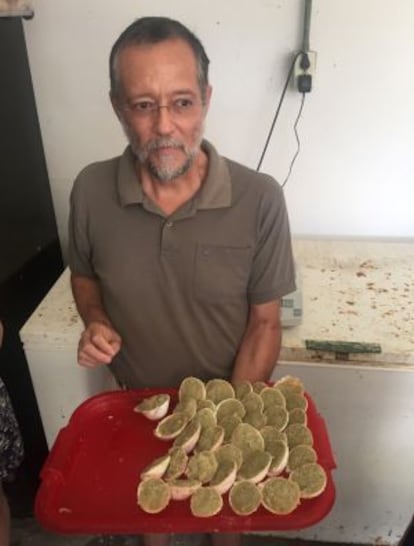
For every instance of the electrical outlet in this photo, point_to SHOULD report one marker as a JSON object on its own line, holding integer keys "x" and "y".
{"x": 299, "y": 71}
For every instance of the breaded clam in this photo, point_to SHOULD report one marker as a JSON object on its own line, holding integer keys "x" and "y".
{"x": 187, "y": 406}
{"x": 202, "y": 466}
{"x": 206, "y": 502}
{"x": 296, "y": 400}
{"x": 206, "y": 404}
{"x": 218, "y": 390}
{"x": 224, "y": 477}
{"x": 242, "y": 388}
{"x": 182, "y": 489}
{"x": 272, "y": 434}
{"x": 300, "y": 455}
{"x": 157, "y": 468}
{"x": 154, "y": 407}
{"x": 247, "y": 438}
{"x": 228, "y": 407}
{"x": 244, "y": 498}
{"x": 255, "y": 466}
{"x": 178, "y": 463}
{"x": 255, "y": 418}
{"x": 280, "y": 495}
{"x": 229, "y": 424}
{"x": 210, "y": 439}
{"x": 253, "y": 402}
{"x": 298, "y": 435}
{"x": 207, "y": 418}
{"x": 298, "y": 416}
{"x": 153, "y": 495}
{"x": 229, "y": 452}
{"x": 276, "y": 416}
{"x": 192, "y": 387}
{"x": 188, "y": 438}
{"x": 311, "y": 479}
{"x": 280, "y": 454}
{"x": 289, "y": 383}
{"x": 272, "y": 396}
{"x": 258, "y": 386}
{"x": 171, "y": 426}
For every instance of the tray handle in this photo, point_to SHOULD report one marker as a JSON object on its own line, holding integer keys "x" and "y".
{"x": 325, "y": 453}
{"x": 328, "y": 458}
{"x": 61, "y": 457}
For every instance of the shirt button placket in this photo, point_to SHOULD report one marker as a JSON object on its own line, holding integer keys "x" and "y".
{"x": 166, "y": 243}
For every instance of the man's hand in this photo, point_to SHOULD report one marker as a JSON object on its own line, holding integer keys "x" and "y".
{"x": 98, "y": 345}
{"x": 99, "y": 342}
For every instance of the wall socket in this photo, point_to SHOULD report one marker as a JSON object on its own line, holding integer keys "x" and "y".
{"x": 298, "y": 70}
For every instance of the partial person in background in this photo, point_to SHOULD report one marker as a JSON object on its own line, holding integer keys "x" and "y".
{"x": 408, "y": 538}
{"x": 179, "y": 257}
{"x": 11, "y": 452}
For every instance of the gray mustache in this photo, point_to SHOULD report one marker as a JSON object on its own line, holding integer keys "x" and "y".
{"x": 163, "y": 143}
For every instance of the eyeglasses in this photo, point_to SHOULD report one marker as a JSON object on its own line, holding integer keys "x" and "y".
{"x": 179, "y": 108}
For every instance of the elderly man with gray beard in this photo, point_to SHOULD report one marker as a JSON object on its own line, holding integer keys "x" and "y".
{"x": 179, "y": 257}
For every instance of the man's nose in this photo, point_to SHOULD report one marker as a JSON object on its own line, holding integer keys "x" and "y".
{"x": 164, "y": 121}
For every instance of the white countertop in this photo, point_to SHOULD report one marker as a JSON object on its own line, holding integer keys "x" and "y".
{"x": 55, "y": 321}
{"x": 355, "y": 291}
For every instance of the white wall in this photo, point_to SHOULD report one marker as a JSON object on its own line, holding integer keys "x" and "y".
{"x": 354, "y": 174}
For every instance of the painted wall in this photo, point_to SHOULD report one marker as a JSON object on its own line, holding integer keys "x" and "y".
{"x": 354, "y": 174}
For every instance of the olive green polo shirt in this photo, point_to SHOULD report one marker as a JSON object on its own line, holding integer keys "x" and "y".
{"x": 178, "y": 288}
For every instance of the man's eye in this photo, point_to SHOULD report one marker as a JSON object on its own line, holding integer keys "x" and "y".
{"x": 183, "y": 104}
{"x": 144, "y": 106}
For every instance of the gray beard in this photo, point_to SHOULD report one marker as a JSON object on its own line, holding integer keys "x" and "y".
{"x": 164, "y": 174}
{"x": 168, "y": 174}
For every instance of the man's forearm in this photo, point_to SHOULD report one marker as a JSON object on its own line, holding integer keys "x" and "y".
{"x": 260, "y": 346}
{"x": 87, "y": 295}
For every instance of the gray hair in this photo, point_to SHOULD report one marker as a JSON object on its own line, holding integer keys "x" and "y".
{"x": 153, "y": 30}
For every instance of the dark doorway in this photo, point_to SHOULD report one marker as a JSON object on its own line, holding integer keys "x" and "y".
{"x": 30, "y": 260}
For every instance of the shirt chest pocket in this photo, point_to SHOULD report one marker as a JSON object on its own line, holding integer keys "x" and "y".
{"x": 221, "y": 272}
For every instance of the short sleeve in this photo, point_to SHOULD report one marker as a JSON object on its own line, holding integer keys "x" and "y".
{"x": 79, "y": 253}
{"x": 273, "y": 270}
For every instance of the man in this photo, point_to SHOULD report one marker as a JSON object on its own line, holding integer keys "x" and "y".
{"x": 179, "y": 257}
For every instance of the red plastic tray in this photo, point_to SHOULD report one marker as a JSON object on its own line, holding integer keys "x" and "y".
{"x": 90, "y": 478}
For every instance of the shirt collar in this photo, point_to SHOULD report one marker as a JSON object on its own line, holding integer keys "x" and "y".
{"x": 129, "y": 185}
{"x": 215, "y": 191}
